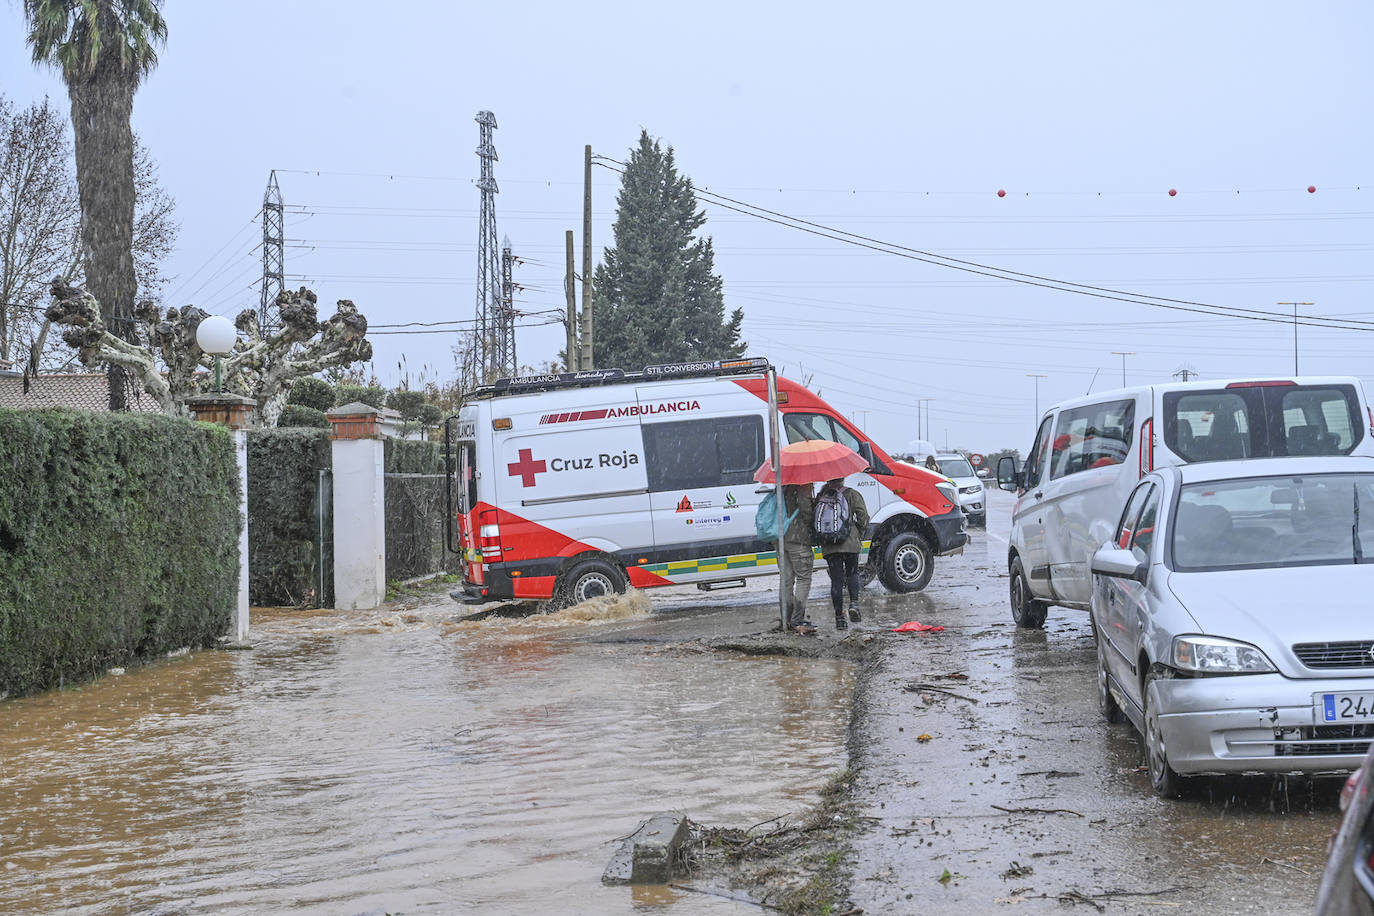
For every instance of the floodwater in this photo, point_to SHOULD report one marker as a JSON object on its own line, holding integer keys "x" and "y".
{"x": 370, "y": 761}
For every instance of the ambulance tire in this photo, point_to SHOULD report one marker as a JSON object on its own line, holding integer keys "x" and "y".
{"x": 907, "y": 562}
{"x": 589, "y": 579}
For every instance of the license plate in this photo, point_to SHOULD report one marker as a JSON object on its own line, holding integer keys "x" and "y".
{"x": 1344, "y": 707}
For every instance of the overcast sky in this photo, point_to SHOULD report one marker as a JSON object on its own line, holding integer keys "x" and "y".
{"x": 899, "y": 122}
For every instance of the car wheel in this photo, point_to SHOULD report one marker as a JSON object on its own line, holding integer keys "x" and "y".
{"x": 1166, "y": 782}
{"x": 587, "y": 580}
{"x": 1106, "y": 703}
{"x": 908, "y": 563}
{"x": 1028, "y": 612}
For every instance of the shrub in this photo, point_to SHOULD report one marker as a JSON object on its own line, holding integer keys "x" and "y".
{"x": 372, "y": 395}
{"x": 118, "y": 541}
{"x": 297, "y": 415}
{"x": 312, "y": 392}
{"x": 284, "y": 536}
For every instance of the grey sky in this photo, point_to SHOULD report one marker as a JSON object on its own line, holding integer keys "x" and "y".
{"x": 896, "y": 121}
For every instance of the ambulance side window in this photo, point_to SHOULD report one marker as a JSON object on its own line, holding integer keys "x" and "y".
{"x": 693, "y": 454}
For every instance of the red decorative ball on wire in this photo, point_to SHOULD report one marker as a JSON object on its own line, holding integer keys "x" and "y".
{"x": 1311, "y": 189}
{"x": 1001, "y": 193}
{"x": 1173, "y": 192}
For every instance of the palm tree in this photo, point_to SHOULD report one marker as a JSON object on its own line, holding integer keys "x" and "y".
{"x": 103, "y": 49}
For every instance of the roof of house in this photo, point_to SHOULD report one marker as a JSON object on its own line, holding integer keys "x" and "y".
{"x": 82, "y": 390}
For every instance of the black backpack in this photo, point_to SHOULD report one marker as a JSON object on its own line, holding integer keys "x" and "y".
{"x": 832, "y": 517}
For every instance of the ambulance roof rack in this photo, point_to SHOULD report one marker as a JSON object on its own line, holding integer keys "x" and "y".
{"x": 526, "y": 384}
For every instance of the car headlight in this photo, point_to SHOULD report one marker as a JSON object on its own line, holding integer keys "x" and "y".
{"x": 1214, "y": 655}
{"x": 948, "y": 492}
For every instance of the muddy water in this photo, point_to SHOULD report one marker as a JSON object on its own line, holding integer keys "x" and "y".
{"x": 402, "y": 762}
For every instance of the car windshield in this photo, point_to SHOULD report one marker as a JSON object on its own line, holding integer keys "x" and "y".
{"x": 955, "y": 467}
{"x": 1262, "y": 522}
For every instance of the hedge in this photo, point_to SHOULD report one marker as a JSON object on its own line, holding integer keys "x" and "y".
{"x": 118, "y": 542}
{"x": 284, "y": 467}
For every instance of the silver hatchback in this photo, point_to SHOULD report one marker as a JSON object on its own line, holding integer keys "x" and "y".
{"x": 1232, "y": 613}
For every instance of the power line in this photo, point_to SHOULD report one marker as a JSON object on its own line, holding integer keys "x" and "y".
{"x": 938, "y": 260}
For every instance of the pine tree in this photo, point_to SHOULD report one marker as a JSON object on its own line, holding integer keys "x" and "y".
{"x": 658, "y": 298}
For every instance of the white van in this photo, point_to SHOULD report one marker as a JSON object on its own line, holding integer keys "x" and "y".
{"x": 578, "y": 484}
{"x": 1089, "y": 452}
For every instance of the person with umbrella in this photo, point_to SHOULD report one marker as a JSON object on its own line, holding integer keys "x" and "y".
{"x": 841, "y": 518}
{"x": 805, "y": 463}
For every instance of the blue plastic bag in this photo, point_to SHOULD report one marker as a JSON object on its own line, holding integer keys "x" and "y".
{"x": 766, "y": 519}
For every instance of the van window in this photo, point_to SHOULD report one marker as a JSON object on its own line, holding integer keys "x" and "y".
{"x": 1035, "y": 464}
{"x": 803, "y": 426}
{"x": 1262, "y": 421}
{"x": 1092, "y": 436}
{"x": 692, "y": 454}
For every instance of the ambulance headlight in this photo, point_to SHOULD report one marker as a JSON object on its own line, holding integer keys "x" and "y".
{"x": 948, "y": 491}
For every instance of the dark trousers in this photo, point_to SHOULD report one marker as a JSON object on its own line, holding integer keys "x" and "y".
{"x": 844, "y": 570}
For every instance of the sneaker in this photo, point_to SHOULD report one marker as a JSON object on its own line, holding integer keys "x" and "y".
{"x": 840, "y": 622}
{"x": 854, "y": 614}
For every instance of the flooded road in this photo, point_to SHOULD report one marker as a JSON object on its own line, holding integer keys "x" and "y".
{"x": 400, "y": 762}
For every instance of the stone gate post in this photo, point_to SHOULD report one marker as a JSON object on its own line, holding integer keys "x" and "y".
{"x": 359, "y": 507}
{"x": 235, "y": 412}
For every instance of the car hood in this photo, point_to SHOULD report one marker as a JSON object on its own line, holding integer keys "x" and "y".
{"x": 1275, "y": 608}
{"x": 966, "y": 481}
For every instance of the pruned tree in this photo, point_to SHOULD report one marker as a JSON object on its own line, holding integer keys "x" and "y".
{"x": 171, "y": 366}
{"x": 40, "y": 224}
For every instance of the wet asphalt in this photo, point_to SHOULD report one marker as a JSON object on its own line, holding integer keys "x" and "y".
{"x": 985, "y": 777}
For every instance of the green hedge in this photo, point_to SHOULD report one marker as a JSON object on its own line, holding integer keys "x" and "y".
{"x": 413, "y": 456}
{"x": 284, "y": 467}
{"x": 118, "y": 541}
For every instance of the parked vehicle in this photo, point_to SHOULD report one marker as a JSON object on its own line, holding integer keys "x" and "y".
{"x": 1089, "y": 452}
{"x": 1231, "y": 614}
{"x": 1347, "y": 887}
{"x": 971, "y": 497}
{"x": 579, "y": 484}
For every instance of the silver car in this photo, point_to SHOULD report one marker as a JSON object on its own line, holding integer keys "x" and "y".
{"x": 1232, "y": 612}
{"x": 972, "y": 499}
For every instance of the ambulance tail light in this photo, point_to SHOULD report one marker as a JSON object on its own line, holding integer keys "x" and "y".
{"x": 491, "y": 531}
{"x": 1147, "y": 446}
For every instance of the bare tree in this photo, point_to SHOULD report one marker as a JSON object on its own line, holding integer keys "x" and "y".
{"x": 39, "y": 217}
{"x": 40, "y": 221}
{"x": 171, "y": 366}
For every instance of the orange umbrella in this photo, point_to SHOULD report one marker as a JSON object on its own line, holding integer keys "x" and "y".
{"x": 813, "y": 460}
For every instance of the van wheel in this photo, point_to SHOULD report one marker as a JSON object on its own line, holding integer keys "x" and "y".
{"x": 587, "y": 580}
{"x": 908, "y": 563}
{"x": 1029, "y": 613}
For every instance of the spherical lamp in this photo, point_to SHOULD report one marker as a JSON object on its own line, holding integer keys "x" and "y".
{"x": 215, "y": 335}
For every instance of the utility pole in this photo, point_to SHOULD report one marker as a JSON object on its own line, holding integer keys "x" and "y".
{"x": 920, "y": 428}
{"x": 863, "y": 424}
{"x": 1295, "y": 330}
{"x": 1123, "y": 363}
{"x": 1037, "y": 378}
{"x": 574, "y": 354}
{"x": 588, "y": 361}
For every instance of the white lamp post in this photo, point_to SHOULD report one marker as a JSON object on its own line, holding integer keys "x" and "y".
{"x": 215, "y": 335}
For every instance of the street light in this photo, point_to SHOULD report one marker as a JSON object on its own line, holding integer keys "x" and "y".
{"x": 1123, "y": 363}
{"x": 920, "y": 431}
{"x": 1037, "y": 392}
{"x": 215, "y": 335}
{"x": 1295, "y": 330}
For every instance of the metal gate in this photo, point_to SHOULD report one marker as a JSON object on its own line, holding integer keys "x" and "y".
{"x": 324, "y": 539}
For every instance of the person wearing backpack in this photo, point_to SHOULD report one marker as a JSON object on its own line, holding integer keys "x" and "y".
{"x": 797, "y": 505}
{"x": 841, "y": 518}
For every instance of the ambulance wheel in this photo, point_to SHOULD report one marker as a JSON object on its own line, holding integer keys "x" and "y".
{"x": 907, "y": 563}
{"x": 590, "y": 579}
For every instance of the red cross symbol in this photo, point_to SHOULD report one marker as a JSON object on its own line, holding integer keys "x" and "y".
{"x": 526, "y": 467}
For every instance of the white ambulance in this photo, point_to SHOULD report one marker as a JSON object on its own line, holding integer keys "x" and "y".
{"x": 575, "y": 485}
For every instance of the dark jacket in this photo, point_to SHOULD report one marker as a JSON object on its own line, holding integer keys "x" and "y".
{"x": 858, "y": 524}
{"x": 797, "y": 498}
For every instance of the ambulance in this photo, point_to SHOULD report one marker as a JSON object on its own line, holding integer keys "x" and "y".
{"x": 572, "y": 485}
